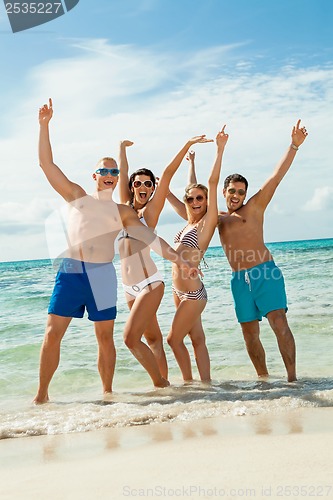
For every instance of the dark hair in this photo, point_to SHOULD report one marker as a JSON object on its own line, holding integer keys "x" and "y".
{"x": 140, "y": 171}
{"x": 235, "y": 178}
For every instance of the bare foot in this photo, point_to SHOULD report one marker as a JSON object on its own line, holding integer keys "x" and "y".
{"x": 206, "y": 382}
{"x": 40, "y": 401}
{"x": 107, "y": 396}
{"x": 163, "y": 383}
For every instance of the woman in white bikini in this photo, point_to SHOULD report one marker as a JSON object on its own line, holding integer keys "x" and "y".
{"x": 142, "y": 282}
{"x": 200, "y": 210}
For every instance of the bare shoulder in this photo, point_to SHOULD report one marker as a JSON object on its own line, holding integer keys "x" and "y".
{"x": 125, "y": 209}
{"x": 78, "y": 191}
{"x": 148, "y": 211}
{"x": 158, "y": 195}
{"x": 254, "y": 203}
{"x": 221, "y": 217}
{"x": 126, "y": 213}
{"x": 152, "y": 210}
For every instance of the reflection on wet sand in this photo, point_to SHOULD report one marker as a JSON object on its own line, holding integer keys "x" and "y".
{"x": 67, "y": 447}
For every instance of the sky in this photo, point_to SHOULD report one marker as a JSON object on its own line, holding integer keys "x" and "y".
{"x": 159, "y": 72}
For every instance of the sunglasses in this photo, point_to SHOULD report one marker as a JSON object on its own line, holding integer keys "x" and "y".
{"x": 190, "y": 199}
{"x": 241, "y": 192}
{"x": 138, "y": 184}
{"x": 105, "y": 171}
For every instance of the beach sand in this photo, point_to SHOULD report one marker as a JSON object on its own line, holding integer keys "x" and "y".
{"x": 284, "y": 455}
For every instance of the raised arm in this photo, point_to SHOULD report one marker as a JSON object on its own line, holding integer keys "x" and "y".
{"x": 124, "y": 190}
{"x": 265, "y": 194}
{"x": 214, "y": 177}
{"x": 192, "y": 176}
{"x": 155, "y": 206}
{"x": 177, "y": 205}
{"x": 211, "y": 217}
{"x": 67, "y": 189}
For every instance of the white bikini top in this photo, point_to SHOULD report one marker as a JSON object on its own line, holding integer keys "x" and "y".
{"x": 124, "y": 234}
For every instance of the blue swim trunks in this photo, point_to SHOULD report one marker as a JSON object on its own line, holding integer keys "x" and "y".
{"x": 258, "y": 291}
{"x": 85, "y": 285}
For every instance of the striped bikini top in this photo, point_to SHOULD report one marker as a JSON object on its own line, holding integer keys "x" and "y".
{"x": 190, "y": 239}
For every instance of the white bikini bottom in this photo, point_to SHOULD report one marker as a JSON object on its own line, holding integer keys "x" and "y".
{"x": 136, "y": 289}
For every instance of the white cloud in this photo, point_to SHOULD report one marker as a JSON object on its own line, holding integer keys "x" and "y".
{"x": 34, "y": 211}
{"x": 278, "y": 209}
{"x": 321, "y": 200}
{"x": 106, "y": 93}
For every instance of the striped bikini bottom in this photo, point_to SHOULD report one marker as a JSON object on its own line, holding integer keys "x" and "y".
{"x": 199, "y": 294}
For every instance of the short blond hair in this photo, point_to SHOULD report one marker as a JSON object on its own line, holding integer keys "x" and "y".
{"x": 106, "y": 158}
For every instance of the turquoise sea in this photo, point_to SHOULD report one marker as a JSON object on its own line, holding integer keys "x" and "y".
{"x": 77, "y": 404}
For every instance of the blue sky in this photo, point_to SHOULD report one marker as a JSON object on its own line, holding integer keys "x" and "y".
{"x": 158, "y": 72}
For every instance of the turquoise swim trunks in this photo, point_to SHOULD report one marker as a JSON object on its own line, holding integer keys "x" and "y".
{"x": 81, "y": 286}
{"x": 258, "y": 291}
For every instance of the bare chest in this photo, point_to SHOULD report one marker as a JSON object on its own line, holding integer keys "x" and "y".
{"x": 89, "y": 219}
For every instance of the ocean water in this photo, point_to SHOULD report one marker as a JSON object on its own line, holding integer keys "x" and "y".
{"x": 77, "y": 404}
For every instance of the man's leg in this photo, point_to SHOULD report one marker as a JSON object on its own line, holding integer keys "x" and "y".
{"x": 279, "y": 324}
{"x": 106, "y": 361}
{"x": 254, "y": 347}
{"x": 56, "y": 327}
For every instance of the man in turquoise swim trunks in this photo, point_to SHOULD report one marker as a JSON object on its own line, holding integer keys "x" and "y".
{"x": 86, "y": 279}
{"x": 257, "y": 283}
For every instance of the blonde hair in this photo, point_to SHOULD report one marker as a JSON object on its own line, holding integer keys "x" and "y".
{"x": 106, "y": 158}
{"x": 195, "y": 186}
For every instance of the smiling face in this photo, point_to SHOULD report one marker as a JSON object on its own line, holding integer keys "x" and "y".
{"x": 235, "y": 194}
{"x": 106, "y": 181}
{"x": 196, "y": 203}
{"x": 142, "y": 188}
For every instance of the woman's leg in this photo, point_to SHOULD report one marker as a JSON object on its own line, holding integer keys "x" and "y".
{"x": 187, "y": 313}
{"x": 154, "y": 337}
{"x": 143, "y": 309}
{"x": 198, "y": 340}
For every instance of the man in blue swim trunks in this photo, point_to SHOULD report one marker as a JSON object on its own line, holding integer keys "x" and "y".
{"x": 257, "y": 283}
{"x": 86, "y": 278}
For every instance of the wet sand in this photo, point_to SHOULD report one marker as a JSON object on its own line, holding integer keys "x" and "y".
{"x": 289, "y": 454}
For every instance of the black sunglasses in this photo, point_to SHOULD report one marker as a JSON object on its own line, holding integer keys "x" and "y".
{"x": 190, "y": 199}
{"x": 241, "y": 192}
{"x": 105, "y": 171}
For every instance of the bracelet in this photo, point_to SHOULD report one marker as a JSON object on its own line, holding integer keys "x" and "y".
{"x": 294, "y": 147}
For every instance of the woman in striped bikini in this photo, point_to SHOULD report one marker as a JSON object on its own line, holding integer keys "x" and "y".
{"x": 189, "y": 293}
{"x": 142, "y": 282}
